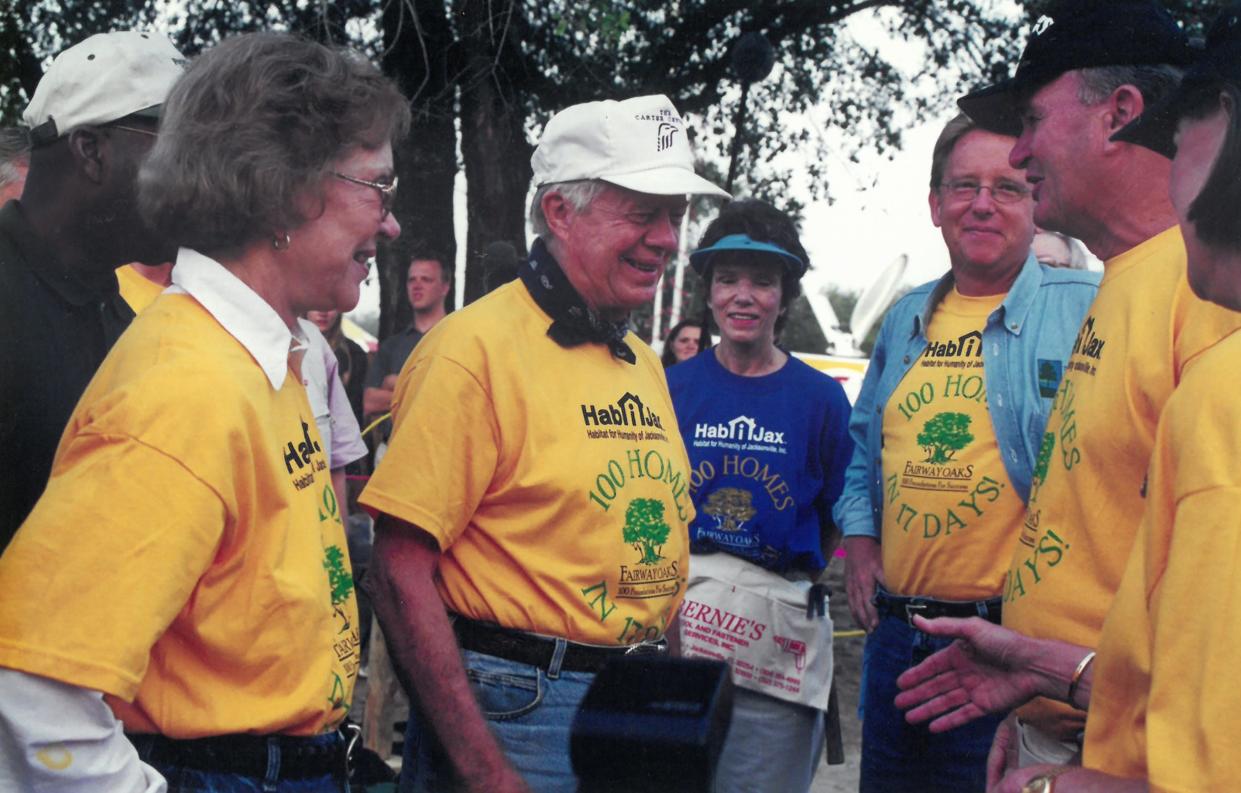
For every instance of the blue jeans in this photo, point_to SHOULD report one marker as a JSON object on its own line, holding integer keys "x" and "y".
{"x": 191, "y": 780}
{"x": 530, "y": 711}
{"x": 898, "y": 757}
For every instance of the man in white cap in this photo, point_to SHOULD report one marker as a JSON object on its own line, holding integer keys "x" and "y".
{"x": 535, "y": 495}
{"x": 92, "y": 119}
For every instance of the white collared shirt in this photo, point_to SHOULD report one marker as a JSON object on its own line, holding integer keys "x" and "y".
{"x": 247, "y": 317}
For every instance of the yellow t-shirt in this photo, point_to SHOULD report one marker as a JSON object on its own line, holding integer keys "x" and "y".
{"x": 1142, "y": 331}
{"x": 554, "y": 479}
{"x": 188, "y": 557}
{"x": 136, "y": 289}
{"x": 950, "y": 514}
{"x": 1166, "y": 690}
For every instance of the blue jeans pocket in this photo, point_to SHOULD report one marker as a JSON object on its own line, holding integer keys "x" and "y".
{"x": 504, "y": 691}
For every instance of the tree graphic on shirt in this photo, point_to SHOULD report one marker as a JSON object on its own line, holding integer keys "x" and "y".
{"x": 646, "y": 529}
{"x": 339, "y": 579}
{"x": 1043, "y": 462}
{"x": 944, "y": 435}
{"x": 731, "y": 507}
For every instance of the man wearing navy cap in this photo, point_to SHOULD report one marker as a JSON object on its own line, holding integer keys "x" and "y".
{"x": 946, "y": 434}
{"x": 92, "y": 119}
{"x": 1088, "y": 70}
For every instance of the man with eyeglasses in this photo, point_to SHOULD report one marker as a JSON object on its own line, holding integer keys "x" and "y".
{"x": 947, "y": 430}
{"x": 92, "y": 119}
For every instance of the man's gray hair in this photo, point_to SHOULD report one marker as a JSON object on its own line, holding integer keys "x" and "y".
{"x": 948, "y": 138}
{"x": 1154, "y": 82}
{"x": 579, "y": 195}
{"x": 14, "y": 153}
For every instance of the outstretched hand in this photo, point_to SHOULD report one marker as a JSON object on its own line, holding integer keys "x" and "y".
{"x": 986, "y": 670}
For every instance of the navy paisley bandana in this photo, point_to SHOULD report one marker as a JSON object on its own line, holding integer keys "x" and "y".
{"x": 573, "y": 322}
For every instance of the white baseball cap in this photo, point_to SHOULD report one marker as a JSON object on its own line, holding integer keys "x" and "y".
{"x": 640, "y": 144}
{"x": 106, "y": 77}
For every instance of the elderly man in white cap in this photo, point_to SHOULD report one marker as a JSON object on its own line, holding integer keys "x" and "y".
{"x": 93, "y": 118}
{"x": 535, "y": 495}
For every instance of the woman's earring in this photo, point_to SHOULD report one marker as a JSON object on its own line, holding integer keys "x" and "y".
{"x": 281, "y": 243}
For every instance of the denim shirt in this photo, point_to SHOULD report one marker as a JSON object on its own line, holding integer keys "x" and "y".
{"x": 1026, "y": 345}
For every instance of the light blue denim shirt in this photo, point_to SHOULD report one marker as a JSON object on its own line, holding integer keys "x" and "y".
{"x": 1026, "y": 345}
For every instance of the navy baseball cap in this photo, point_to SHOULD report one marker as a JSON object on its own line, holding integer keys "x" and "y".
{"x": 742, "y": 242}
{"x": 1219, "y": 62}
{"x": 1080, "y": 34}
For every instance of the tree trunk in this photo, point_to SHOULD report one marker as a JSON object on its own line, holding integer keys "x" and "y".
{"x": 418, "y": 47}
{"x": 493, "y": 138}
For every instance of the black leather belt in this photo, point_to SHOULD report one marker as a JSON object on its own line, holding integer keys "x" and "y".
{"x": 906, "y": 608}
{"x": 526, "y": 648}
{"x": 245, "y": 755}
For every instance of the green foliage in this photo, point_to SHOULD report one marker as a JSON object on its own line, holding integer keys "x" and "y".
{"x": 843, "y": 302}
{"x": 802, "y": 331}
{"x": 944, "y": 435}
{"x": 646, "y": 529}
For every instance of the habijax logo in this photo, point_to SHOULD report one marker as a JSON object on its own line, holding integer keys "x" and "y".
{"x": 300, "y": 454}
{"x": 627, "y": 412}
{"x": 1088, "y": 343}
{"x": 741, "y": 428}
{"x": 968, "y": 345}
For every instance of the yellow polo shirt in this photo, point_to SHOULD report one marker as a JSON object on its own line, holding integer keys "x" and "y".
{"x": 554, "y": 479}
{"x": 136, "y": 289}
{"x": 950, "y": 516}
{"x": 1143, "y": 330}
{"x": 1166, "y": 690}
{"x": 187, "y": 558}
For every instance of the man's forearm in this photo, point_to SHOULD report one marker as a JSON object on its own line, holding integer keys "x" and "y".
{"x": 376, "y": 401}
{"x": 425, "y": 652}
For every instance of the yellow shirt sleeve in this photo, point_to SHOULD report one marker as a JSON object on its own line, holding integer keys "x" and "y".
{"x": 1192, "y": 727}
{"x": 443, "y": 451}
{"x": 123, "y": 533}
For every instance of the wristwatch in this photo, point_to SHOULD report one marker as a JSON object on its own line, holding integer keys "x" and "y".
{"x": 1043, "y": 783}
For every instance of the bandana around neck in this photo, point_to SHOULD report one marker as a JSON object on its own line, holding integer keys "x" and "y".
{"x": 573, "y": 322}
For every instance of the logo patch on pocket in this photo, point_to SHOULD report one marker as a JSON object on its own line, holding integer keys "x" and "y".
{"x": 1049, "y": 373}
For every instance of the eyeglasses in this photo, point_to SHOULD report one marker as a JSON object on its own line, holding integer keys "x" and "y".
{"x": 139, "y": 130}
{"x": 387, "y": 191}
{"x": 964, "y": 190}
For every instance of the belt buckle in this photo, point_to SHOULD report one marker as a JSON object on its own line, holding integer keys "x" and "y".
{"x": 353, "y": 733}
{"x": 910, "y": 608}
{"x": 647, "y": 648}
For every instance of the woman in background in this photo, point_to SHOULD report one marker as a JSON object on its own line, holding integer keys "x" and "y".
{"x": 350, "y": 358}
{"x": 686, "y": 339}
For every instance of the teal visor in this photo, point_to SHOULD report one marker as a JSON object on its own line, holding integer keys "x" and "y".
{"x": 742, "y": 242}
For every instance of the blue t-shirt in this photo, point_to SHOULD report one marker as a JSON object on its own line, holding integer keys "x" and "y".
{"x": 767, "y": 455}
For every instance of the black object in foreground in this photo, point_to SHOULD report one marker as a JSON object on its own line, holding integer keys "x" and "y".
{"x": 652, "y": 724}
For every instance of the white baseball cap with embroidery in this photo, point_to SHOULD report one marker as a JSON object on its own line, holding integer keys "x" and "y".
{"x": 105, "y": 77}
{"x": 640, "y": 144}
